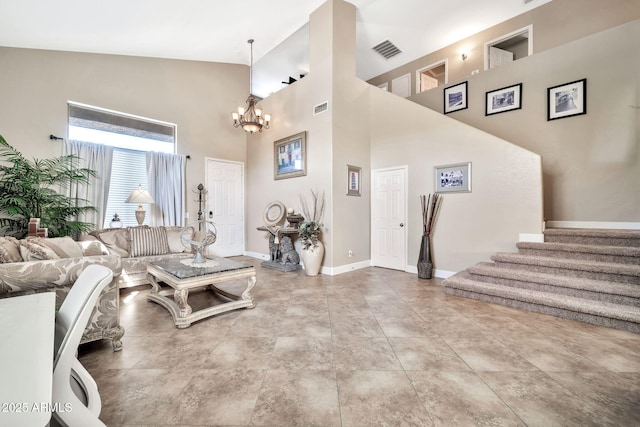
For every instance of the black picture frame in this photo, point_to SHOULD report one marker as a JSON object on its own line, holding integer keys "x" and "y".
{"x": 505, "y": 99}
{"x": 567, "y": 100}
{"x": 455, "y": 98}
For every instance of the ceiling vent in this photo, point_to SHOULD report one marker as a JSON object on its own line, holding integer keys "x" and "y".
{"x": 526, "y": 2}
{"x": 387, "y": 49}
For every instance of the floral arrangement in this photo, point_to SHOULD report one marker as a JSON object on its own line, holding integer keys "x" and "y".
{"x": 310, "y": 228}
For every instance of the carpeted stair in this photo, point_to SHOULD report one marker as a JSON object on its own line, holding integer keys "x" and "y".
{"x": 581, "y": 274}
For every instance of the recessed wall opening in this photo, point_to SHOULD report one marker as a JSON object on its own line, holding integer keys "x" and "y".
{"x": 431, "y": 76}
{"x": 508, "y": 48}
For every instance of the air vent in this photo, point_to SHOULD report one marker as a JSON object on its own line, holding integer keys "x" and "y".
{"x": 526, "y": 2}
{"x": 387, "y": 49}
{"x": 320, "y": 108}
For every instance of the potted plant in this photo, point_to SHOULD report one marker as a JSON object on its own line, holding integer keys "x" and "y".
{"x": 28, "y": 189}
{"x": 309, "y": 232}
{"x": 430, "y": 209}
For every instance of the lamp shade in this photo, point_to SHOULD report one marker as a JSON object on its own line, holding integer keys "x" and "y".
{"x": 139, "y": 195}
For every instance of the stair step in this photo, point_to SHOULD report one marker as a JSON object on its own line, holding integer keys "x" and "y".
{"x": 593, "y": 236}
{"x": 613, "y": 272}
{"x": 597, "y": 312}
{"x": 599, "y": 253}
{"x": 597, "y": 290}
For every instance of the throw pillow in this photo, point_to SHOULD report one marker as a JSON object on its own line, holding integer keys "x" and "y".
{"x": 64, "y": 247}
{"x": 148, "y": 241}
{"x": 173, "y": 237}
{"x": 116, "y": 240}
{"x": 9, "y": 250}
{"x": 32, "y": 249}
{"x": 93, "y": 248}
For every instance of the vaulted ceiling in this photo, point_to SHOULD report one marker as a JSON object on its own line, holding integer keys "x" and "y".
{"x": 217, "y": 30}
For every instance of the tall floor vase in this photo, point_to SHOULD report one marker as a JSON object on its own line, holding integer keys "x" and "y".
{"x": 425, "y": 264}
{"x": 312, "y": 258}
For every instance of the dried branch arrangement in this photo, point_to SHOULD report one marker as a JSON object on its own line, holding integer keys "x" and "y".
{"x": 430, "y": 209}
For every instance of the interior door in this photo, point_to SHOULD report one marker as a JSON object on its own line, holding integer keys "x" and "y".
{"x": 499, "y": 57}
{"x": 388, "y": 218}
{"x": 225, "y": 206}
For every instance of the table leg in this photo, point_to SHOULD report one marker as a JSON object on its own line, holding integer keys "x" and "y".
{"x": 246, "y": 295}
{"x": 180, "y": 297}
{"x": 155, "y": 288}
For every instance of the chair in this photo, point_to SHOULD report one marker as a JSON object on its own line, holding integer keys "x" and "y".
{"x": 75, "y": 393}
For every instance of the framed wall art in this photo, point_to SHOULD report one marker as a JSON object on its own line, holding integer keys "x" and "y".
{"x": 455, "y": 98}
{"x": 354, "y": 175}
{"x": 454, "y": 178}
{"x": 290, "y": 156}
{"x": 503, "y": 100}
{"x": 566, "y": 100}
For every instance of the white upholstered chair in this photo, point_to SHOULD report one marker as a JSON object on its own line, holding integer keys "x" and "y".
{"x": 75, "y": 393}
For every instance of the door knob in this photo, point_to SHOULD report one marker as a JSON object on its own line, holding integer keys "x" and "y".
{"x": 402, "y": 224}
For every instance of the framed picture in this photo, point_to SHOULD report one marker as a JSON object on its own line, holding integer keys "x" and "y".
{"x": 566, "y": 100}
{"x": 503, "y": 100}
{"x": 453, "y": 178}
{"x": 455, "y": 98}
{"x": 290, "y": 156}
{"x": 354, "y": 174}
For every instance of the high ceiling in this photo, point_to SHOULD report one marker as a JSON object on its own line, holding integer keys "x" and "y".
{"x": 217, "y": 30}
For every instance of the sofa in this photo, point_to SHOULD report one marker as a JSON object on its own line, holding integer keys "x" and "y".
{"x": 38, "y": 264}
{"x": 137, "y": 246}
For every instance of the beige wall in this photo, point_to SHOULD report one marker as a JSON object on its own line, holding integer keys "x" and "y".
{"x": 591, "y": 163}
{"x": 591, "y": 166}
{"x": 197, "y": 96}
{"x": 506, "y": 196}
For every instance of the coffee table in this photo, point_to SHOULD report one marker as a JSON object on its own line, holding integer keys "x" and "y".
{"x": 183, "y": 276}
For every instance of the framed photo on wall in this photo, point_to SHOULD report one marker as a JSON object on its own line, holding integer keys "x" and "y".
{"x": 354, "y": 176}
{"x": 503, "y": 100}
{"x": 566, "y": 100}
{"x": 290, "y": 156}
{"x": 455, "y": 98}
{"x": 454, "y": 178}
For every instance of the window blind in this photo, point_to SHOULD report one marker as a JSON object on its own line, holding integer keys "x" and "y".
{"x": 127, "y": 172}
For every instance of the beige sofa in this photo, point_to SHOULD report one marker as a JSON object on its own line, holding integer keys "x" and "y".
{"x": 137, "y": 246}
{"x": 35, "y": 265}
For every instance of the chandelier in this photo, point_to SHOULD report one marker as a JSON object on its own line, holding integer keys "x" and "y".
{"x": 251, "y": 119}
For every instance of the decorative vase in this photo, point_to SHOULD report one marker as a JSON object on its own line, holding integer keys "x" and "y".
{"x": 312, "y": 258}
{"x": 425, "y": 265}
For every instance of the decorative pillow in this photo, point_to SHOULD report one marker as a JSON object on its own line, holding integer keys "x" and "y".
{"x": 148, "y": 241}
{"x": 64, "y": 247}
{"x": 173, "y": 237}
{"x": 116, "y": 240}
{"x": 93, "y": 248}
{"x": 9, "y": 250}
{"x": 33, "y": 250}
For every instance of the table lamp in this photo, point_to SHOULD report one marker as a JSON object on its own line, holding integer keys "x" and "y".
{"x": 140, "y": 196}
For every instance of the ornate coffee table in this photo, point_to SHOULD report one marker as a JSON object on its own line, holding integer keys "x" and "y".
{"x": 183, "y": 276}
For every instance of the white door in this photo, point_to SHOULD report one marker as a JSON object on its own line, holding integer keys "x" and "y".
{"x": 388, "y": 218}
{"x": 225, "y": 206}
{"x": 499, "y": 57}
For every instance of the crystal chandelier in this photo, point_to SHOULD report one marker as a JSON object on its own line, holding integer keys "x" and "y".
{"x": 251, "y": 119}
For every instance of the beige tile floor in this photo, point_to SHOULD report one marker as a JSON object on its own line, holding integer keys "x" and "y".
{"x": 373, "y": 347}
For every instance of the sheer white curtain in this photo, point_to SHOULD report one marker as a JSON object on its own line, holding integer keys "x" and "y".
{"x": 166, "y": 180}
{"x": 97, "y": 157}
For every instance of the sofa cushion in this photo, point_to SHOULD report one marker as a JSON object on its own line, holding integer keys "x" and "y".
{"x": 173, "y": 237}
{"x": 64, "y": 247}
{"x": 147, "y": 241}
{"x": 32, "y": 249}
{"x": 115, "y": 239}
{"x": 9, "y": 250}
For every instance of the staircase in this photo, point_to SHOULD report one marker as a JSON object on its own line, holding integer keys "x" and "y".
{"x": 590, "y": 275}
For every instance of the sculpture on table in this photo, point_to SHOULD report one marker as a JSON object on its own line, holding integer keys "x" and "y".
{"x": 197, "y": 237}
{"x": 282, "y": 253}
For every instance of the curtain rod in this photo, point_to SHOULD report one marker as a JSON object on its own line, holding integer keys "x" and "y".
{"x": 57, "y": 138}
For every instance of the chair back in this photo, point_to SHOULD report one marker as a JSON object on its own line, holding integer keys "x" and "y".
{"x": 73, "y": 315}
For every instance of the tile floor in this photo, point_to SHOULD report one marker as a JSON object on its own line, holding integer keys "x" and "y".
{"x": 373, "y": 347}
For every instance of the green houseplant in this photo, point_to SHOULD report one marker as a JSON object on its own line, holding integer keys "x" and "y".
{"x": 32, "y": 189}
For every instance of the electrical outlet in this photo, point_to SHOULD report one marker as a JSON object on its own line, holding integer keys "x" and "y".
{"x": 350, "y": 253}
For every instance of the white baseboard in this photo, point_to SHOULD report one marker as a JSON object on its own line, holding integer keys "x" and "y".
{"x": 594, "y": 224}
{"x": 257, "y": 255}
{"x": 525, "y": 237}
{"x": 346, "y": 268}
{"x": 440, "y": 274}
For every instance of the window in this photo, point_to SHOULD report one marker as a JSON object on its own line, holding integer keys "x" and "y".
{"x": 431, "y": 76}
{"x": 131, "y": 137}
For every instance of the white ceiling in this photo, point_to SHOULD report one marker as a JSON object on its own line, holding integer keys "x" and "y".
{"x": 218, "y": 30}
